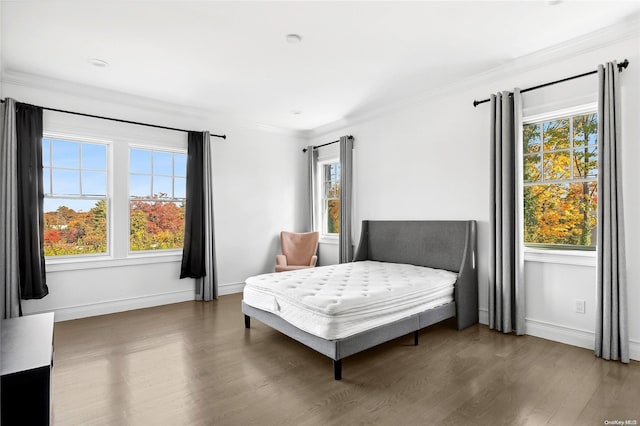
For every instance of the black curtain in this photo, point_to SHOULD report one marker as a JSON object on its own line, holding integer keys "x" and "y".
{"x": 33, "y": 283}
{"x": 193, "y": 252}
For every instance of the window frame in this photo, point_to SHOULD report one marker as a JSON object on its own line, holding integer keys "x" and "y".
{"x": 69, "y": 137}
{"x": 325, "y": 237}
{"x": 120, "y": 136}
{"x": 142, "y": 253}
{"x": 555, "y": 253}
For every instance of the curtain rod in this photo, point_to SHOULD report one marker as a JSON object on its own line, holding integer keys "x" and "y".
{"x": 325, "y": 144}
{"x": 624, "y": 64}
{"x": 117, "y": 120}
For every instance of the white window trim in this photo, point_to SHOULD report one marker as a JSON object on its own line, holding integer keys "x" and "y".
{"x": 561, "y": 113}
{"x": 324, "y": 237}
{"x": 119, "y": 139}
{"x": 329, "y": 239}
{"x": 147, "y": 253}
{"x": 67, "y": 264}
{"x": 565, "y": 256}
{"x": 93, "y": 257}
{"x": 562, "y": 257}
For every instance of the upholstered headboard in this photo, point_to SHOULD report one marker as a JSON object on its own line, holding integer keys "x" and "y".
{"x": 449, "y": 245}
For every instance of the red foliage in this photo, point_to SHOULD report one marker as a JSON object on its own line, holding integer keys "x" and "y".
{"x": 51, "y": 236}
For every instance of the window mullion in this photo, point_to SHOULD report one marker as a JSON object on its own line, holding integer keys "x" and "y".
{"x": 571, "y": 159}
{"x": 120, "y": 180}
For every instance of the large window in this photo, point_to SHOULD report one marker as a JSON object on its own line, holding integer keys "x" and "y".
{"x": 75, "y": 197}
{"x": 330, "y": 193}
{"x": 560, "y": 182}
{"x": 157, "y": 192}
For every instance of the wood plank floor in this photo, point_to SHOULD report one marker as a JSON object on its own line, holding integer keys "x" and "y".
{"x": 193, "y": 363}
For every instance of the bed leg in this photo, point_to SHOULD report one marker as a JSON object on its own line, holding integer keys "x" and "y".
{"x": 415, "y": 337}
{"x": 247, "y": 321}
{"x": 337, "y": 369}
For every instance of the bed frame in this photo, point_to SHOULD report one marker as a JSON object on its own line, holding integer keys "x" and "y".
{"x": 449, "y": 245}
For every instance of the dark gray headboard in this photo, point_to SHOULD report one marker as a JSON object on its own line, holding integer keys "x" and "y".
{"x": 449, "y": 245}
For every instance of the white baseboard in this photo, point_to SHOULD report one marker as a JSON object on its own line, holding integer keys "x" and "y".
{"x": 563, "y": 334}
{"x": 484, "y": 316}
{"x": 230, "y": 288}
{"x": 120, "y": 305}
{"x": 560, "y": 333}
{"x": 634, "y": 349}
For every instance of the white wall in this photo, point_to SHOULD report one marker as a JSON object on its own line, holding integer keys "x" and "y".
{"x": 429, "y": 159}
{"x": 259, "y": 178}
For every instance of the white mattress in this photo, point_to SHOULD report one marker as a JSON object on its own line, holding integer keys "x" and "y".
{"x": 338, "y": 301}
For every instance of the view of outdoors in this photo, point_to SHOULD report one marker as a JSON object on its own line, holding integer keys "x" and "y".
{"x": 331, "y": 198}
{"x": 75, "y": 203}
{"x": 67, "y": 231}
{"x": 157, "y": 189}
{"x": 156, "y": 225}
{"x": 560, "y": 181}
{"x": 76, "y": 206}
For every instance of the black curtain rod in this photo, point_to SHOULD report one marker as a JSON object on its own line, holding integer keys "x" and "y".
{"x": 325, "y": 144}
{"x": 621, "y": 66}
{"x": 117, "y": 120}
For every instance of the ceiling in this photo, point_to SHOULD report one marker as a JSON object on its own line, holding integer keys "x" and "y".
{"x": 232, "y": 58}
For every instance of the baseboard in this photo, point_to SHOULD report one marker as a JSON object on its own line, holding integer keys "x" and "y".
{"x": 120, "y": 305}
{"x": 560, "y": 333}
{"x": 484, "y": 316}
{"x": 112, "y": 306}
{"x": 230, "y": 288}
{"x": 634, "y": 349}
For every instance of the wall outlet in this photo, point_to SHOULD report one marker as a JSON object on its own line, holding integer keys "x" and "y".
{"x": 580, "y": 306}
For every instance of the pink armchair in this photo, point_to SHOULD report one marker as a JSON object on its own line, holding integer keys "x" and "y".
{"x": 298, "y": 251}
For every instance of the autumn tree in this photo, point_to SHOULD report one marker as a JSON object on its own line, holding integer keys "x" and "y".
{"x": 560, "y": 173}
{"x": 156, "y": 225}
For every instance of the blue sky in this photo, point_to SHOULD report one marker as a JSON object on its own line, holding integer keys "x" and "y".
{"x": 69, "y": 165}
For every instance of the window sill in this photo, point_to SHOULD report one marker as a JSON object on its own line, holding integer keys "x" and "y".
{"x": 563, "y": 257}
{"x": 59, "y": 265}
{"x": 329, "y": 239}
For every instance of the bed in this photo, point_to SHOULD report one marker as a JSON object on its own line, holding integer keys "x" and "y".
{"x": 406, "y": 275}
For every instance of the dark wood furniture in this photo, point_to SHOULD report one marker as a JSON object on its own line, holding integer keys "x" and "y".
{"x": 25, "y": 364}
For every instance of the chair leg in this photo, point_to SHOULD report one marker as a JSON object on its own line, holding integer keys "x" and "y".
{"x": 337, "y": 369}
{"x": 247, "y": 321}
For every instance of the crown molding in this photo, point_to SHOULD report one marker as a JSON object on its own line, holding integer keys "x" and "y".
{"x": 268, "y": 128}
{"x": 325, "y": 129}
{"x": 620, "y": 32}
{"x": 33, "y": 81}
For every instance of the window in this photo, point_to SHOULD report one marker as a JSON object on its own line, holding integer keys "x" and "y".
{"x": 157, "y": 192}
{"x": 75, "y": 197}
{"x": 560, "y": 161}
{"x": 330, "y": 193}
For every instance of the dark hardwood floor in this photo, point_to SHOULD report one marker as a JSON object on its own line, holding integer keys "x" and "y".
{"x": 194, "y": 363}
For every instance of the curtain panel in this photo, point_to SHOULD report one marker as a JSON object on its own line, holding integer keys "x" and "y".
{"x": 30, "y": 202}
{"x": 207, "y": 286}
{"x": 193, "y": 252}
{"x": 506, "y": 254}
{"x": 9, "y": 265}
{"x": 612, "y": 334}
{"x": 346, "y": 195}
{"x": 198, "y": 253}
{"x": 312, "y": 170}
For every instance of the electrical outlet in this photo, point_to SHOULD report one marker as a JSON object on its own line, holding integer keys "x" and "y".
{"x": 580, "y": 306}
